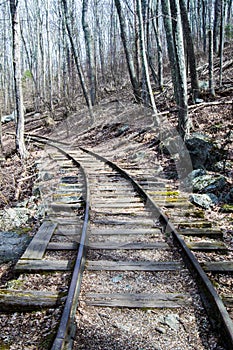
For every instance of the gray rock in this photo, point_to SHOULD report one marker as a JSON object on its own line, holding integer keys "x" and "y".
{"x": 122, "y": 130}
{"x": 14, "y": 217}
{"x": 222, "y": 166}
{"x": 172, "y": 321}
{"x": 9, "y": 117}
{"x": 12, "y": 246}
{"x": 196, "y": 173}
{"x": 229, "y": 197}
{"x": 205, "y": 201}
{"x": 46, "y": 176}
{"x": 208, "y": 183}
{"x": 203, "y": 152}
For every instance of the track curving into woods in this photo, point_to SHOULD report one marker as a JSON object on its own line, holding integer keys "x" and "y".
{"x": 126, "y": 259}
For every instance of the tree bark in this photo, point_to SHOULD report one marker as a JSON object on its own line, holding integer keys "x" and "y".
{"x": 190, "y": 50}
{"x": 129, "y": 58}
{"x": 77, "y": 63}
{"x": 217, "y": 19}
{"x": 90, "y": 52}
{"x": 170, "y": 45}
{"x": 145, "y": 63}
{"x": 211, "y": 64}
{"x": 222, "y": 38}
{"x": 184, "y": 123}
{"x": 20, "y": 144}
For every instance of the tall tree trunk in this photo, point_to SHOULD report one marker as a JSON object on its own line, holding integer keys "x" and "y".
{"x": 204, "y": 18}
{"x": 90, "y": 52}
{"x": 184, "y": 124}
{"x": 170, "y": 45}
{"x": 154, "y": 15}
{"x": 222, "y": 37}
{"x": 190, "y": 50}
{"x": 174, "y": 35}
{"x": 217, "y": 19}
{"x": 77, "y": 63}
{"x": 129, "y": 58}
{"x": 211, "y": 63}
{"x": 144, "y": 61}
{"x": 49, "y": 61}
{"x": 20, "y": 144}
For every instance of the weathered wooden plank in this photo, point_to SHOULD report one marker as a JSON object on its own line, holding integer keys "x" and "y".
{"x": 166, "y": 300}
{"x": 218, "y": 266}
{"x": 125, "y": 246}
{"x": 228, "y": 300}
{"x": 118, "y": 205}
{"x": 133, "y": 265}
{"x": 28, "y": 300}
{"x": 201, "y": 232}
{"x": 142, "y": 222}
{"x": 65, "y": 206}
{"x": 207, "y": 246}
{"x": 132, "y": 231}
{"x": 43, "y": 265}
{"x": 62, "y": 246}
{"x": 190, "y": 224}
{"x": 67, "y": 219}
{"x": 37, "y": 246}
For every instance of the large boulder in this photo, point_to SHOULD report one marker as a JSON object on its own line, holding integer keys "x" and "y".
{"x": 208, "y": 183}
{"x": 12, "y": 246}
{"x": 206, "y": 200}
{"x": 11, "y": 218}
{"x": 203, "y": 152}
{"x": 229, "y": 197}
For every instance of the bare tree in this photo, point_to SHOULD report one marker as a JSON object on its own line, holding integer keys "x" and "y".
{"x": 190, "y": 50}
{"x": 128, "y": 55}
{"x": 174, "y": 35}
{"x": 77, "y": 61}
{"x": 145, "y": 62}
{"x": 90, "y": 52}
{"x": 20, "y": 144}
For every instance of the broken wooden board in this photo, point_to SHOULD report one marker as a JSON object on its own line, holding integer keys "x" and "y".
{"x": 43, "y": 265}
{"x": 200, "y": 232}
{"x": 28, "y": 300}
{"x": 106, "y": 265}
{"x": 60, "y": 206}
{"x": 165, "y": 300}
{"x": 228, "y": 300}
{"x": 62, "y": 246}
{"x": 38, "y": 244}
{"x": 218, "y": 266}
{"x": 206, "y": 246}
{"x": 128, "y": 246}
{"x": 191, "y": 224}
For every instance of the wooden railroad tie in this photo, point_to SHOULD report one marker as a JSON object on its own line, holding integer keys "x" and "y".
{"x": 130, "y": 300}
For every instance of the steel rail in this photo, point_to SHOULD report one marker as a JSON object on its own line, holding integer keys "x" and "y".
{"x": 213, "y": 304}
{"x": 66, "y": 330}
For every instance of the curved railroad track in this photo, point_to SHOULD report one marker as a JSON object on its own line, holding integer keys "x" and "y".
{"x": 138, "y": 267}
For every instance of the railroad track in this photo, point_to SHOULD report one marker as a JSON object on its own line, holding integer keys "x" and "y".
{"x": 134, "y": 259}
